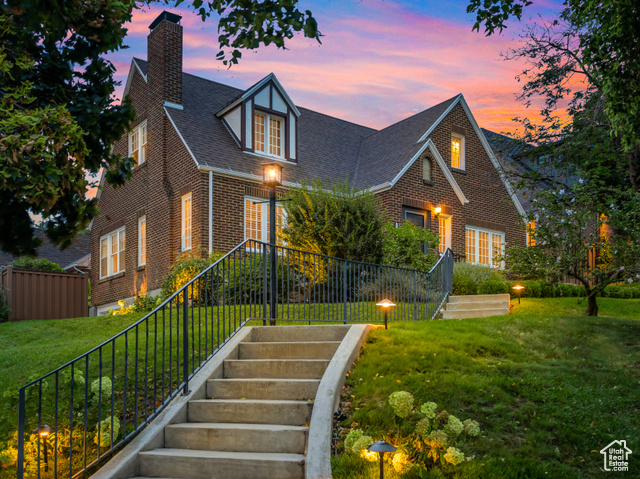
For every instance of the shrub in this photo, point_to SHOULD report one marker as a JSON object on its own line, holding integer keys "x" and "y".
{"x": 467, "y": 277}
{"x": 569, "y": 290}
{"x": 493, "y": 286}
{"x": 36, "y": 264}
{"x": 463, "y": 285}
{"x": 144, "y": 303}
{"x": 410, "y": 247}
{"x": 188, "y": 266}
{"x": 4, "y": 308}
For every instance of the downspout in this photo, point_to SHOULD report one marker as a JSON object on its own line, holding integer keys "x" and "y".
{"x": 210, "y": 211}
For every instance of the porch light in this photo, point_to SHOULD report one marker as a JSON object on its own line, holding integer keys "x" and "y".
{"x": 438, "y": 210}
{"x": 272, "y": 174}
{"x": 43, "y": 431}
{"x": 518, "y": 289}
{"x": 385, "y": 304}
{"x": 381, "y": 447}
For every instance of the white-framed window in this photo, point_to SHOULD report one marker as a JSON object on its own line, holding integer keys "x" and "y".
{"x": 138, "y": 143}
{"x": 531, "y": 236}
{"x": 257, "y": 219}
{"x": 268, "y": 134}
{"x": 457, "y": 151}
{"x": 484, "y": 246}
{"x": 112, "y": 248}
{"x": 444, "y": 232}
{"x": 426, "y": 169}
{"x": 186, "y": 223}
{"x": 142, "y": 241}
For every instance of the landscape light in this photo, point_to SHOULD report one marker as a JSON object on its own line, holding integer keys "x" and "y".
{"x": 385, "y": 304}
{"x": 43, "y": 432}
{"x": 381, "y": 447}
{"x": 518, "y": 288}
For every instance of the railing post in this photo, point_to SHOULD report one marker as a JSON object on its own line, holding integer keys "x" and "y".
{"x": 265, "y": 286}
{"x": 21, "y": 419}
{"x": 344, "y": 291}
{"x": 415, "y": 297}
{"x": 185, "y": 340}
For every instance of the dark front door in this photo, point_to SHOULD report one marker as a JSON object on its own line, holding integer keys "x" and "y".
{"x": 419, "y": 218}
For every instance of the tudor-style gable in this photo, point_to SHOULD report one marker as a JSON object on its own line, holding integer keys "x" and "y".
{"x": 264, "y": 120}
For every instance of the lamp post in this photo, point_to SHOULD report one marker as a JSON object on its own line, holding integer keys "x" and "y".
{"x": 43, "y": 432}
{"x": 381, "y": 447}
{"x": 272, "y": 177}
{"x": 518, "y": 288}
{"x": 385, "y": 304}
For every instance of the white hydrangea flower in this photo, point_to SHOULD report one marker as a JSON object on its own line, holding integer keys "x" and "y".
{"x": 471, "y": 427}
{"x": 454, "y": 427}
{"x": 401, "y": 402}
{"x": 454, "y": 456}
{"x": 429, "y": 409}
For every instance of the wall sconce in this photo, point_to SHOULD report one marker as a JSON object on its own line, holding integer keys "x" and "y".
{"x": 437, "y": 210}
{"x": 518, "y": 289}
{"x": 381, "y": 447}
{"x": 385, "y": 304}
{"x": 43, "y": 432}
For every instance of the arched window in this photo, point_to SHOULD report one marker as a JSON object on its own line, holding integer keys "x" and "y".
{"x": 426, "y": 168}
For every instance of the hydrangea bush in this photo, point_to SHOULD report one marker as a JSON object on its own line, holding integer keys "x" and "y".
{"x": 436, "y": 438}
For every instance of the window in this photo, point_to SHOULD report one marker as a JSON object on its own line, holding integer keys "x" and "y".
{"x": 457, "y": 151}
{"x": 444, "y": 231}
{"x": 257, "y": 220}
{"x": 531, "y": 238}
{"x": 268, "y": 134}
{"x": 186, "y": 222}
{"x": 138, "y": 143}
{"x": 484, "y": 246}
{"x": 416, "y": 217}
{"x": 112, "y": 247}
{"x": 426, "y": 169}
{"x": 142, "y": 241}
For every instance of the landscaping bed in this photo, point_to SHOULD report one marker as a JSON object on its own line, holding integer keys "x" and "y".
{"x": 548, "y": 386}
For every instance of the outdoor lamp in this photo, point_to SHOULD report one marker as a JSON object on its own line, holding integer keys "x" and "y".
{"x": 43, "y": 432}
{"x": 438, "y": 210}
{"x": 272, "y": 174}
{"x": 381, "y": 447}
{"x": 385, "y": 304}
{"x": 518, "y": 288}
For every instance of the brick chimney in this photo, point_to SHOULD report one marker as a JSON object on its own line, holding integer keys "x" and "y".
{"x": 164, "y": 54}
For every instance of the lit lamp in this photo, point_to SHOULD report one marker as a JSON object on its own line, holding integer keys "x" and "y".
{"x": 438, "y": 210}
{"x": 381, "y": 447}
{"x": 385, "y": 304}
{"x": 43, "y": 432}
{"x": 272, "y": 177}
{"x": 518, "y": 289}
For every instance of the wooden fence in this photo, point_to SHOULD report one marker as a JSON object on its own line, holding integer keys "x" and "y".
{"x": 44, "y": 295}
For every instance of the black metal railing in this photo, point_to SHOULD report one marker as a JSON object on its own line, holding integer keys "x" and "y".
{"x": 100, "y": 400}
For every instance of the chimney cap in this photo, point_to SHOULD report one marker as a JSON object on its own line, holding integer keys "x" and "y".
{"x": 172, "y": 17}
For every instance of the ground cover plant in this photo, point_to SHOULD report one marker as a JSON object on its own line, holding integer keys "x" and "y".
{"x": 548, "y": 387}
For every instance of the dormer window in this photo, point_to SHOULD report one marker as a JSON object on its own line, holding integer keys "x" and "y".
{"x": 138, "y": 143}
{"x": 268, "y": 133}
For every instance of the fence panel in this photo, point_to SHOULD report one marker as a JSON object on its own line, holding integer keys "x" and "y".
{"x": 45, "y": 295}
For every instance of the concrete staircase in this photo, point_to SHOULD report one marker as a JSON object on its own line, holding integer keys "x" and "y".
{"x": 476, "y": 306}
{"x": 255, "y": 420}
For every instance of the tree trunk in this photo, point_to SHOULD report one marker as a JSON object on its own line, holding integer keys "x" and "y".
{"x": 592, "y": 305}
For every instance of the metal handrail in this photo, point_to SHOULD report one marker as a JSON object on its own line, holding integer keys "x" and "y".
{"x": 127, "y": 380}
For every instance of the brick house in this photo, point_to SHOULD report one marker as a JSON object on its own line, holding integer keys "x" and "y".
{"x": 200, "y": 145}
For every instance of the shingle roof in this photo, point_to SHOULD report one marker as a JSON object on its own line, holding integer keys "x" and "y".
{"x": 328, "y": 148}
{"x": 80, "y": 247}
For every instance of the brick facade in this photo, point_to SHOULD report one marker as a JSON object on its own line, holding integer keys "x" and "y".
{"x": 156, "y": 187}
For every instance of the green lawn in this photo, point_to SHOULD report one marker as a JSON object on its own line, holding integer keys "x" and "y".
{"x": 548, "y": 386}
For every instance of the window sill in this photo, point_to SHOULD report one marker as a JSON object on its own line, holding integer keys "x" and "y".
{"x": 111, "y": 278}
{"x": 459, "y": 170}
{"x": 141, "y": 268}
{"x": 139, "y": 167}
{"x": 427, "y": 182}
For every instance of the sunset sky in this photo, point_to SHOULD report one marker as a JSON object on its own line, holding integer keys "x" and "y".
{"x": 379, "y": 62}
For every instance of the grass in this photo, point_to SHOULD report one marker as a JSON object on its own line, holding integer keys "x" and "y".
{"x": 549, "y": 386}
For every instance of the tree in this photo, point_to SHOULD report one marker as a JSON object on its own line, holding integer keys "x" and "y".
{"x": 335, "y": 220}
{"x": 58, "y": 115}
{"x": 575, "y": 238}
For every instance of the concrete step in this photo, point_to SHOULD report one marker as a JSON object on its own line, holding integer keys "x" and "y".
{"x": 255, "y": 411}
{"x": 275, "y": 368}
{"x": 290, "y": 389}
{"x": 298, "y": 333}
{"x": 187, "y": 463}
{"x": 478, "y": 298}
{"x": 291, "y": 350}
{"x": 474, "y": 313}
{"x": 465, "y": 306}
{"x": 272, "y": 438}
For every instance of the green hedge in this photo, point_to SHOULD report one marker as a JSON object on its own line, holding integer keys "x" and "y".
{"x": 494, "y": 286}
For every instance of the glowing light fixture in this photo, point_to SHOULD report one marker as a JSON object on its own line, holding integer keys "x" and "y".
{"x": 518, "y": 288}
{"x": 385, "y": 304}
{"x": 43, "y": 431}
{"x": 381, "y": 447}
{"x": 438, "y": 210}
{"x": 272, "y": 174}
